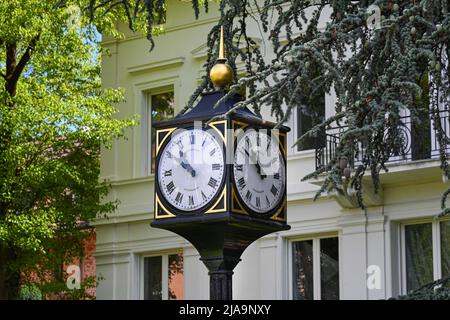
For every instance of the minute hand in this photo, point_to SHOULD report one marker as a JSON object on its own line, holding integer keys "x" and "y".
{"x": 255, "y": 162}
{"x": 185, "y": 165}
{"x": 188, "y": 167}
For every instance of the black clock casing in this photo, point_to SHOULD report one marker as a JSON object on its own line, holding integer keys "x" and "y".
{"x": 225, "y": 227}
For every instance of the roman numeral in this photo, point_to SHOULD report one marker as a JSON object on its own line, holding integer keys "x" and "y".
{"x": 211, "y": 153}
{"x": 216, "y": 166}
{"x": 258, "y": 140}
{"x": 191, "y": 200}
{"x": 241, "y": 183}
{"x": 247, "y": 142}
{"x": 192, "y": 138}
{"x": 267, "y": 201}
{"x": 203, "y": 196}
{"x": 276, "y": 176}
{"x": 212, "y": 183}
{"x": 168, "y": 154}
{"x": 170, "y": 187}
{"x": 168, "y": 173}
{"x": 180, "y": 144}
{"x": 203, "y": 143}
{"x": 239, "y": 167}
{"x": 258, "y": 202}
{"x": 179, "y": 197}
{"x": 248, "y": 196}
{"x": 274, "y": 190}
{"x": 268, "y": 144}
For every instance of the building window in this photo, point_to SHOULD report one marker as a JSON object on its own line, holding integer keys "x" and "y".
{"x": 306, "y": 120}
{"x": 426, "y": 253}
{"x": 163, "y": 277}
{"x": 315, "y": 269}
{"x": 161, "y": 107}
{"x": 310, "y": 116}
{"x": 445, "y": 248}
{"x": 421, "y": 130}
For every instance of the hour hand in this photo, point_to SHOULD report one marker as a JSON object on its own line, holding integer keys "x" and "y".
{"x": 255, "y": 162}
{"x": 188, "y": 167}
{"x": 185, "y": 165}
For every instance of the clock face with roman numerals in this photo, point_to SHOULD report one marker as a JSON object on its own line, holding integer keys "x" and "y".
{"x": 259, "y": 171}
{"x": 191, "y": 169}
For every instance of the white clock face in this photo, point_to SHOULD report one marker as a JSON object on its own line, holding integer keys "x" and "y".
{"x": 259, "y": 171}
{"x": 191, "y": 169}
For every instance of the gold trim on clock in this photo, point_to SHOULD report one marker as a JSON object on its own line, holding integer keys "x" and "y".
{"x": 213, "y": 125}
{"x": 223, "y": 197}
{"x": 275, "y": 216}
{"x": 158, "y": 203}
{"x": 160, "y": 143}
{"x": 242, "y": 124}
{"x": 233, "y": 208}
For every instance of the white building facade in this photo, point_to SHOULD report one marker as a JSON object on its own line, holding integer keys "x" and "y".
{"x": 333, "y": 250}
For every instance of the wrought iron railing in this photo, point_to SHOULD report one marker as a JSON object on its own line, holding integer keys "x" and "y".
{"x": 419, "y": 142}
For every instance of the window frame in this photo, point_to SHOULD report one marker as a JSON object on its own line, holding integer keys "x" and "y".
{"x": 317, "y": 294}
{"x": 164, "y": 272}
{"x": 294, "y": 133}
{"x": 436, "y": 245}
{"x": 147, "y": 127}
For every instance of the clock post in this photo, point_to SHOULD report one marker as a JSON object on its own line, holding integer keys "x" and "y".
{"x": 220, "y": 184}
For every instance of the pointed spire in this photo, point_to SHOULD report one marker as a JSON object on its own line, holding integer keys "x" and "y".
{"x": 221, "y": 45}
{"x": 221, "y": 74}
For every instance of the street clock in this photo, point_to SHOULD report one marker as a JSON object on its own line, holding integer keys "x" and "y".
{"x": 220, "y": 178}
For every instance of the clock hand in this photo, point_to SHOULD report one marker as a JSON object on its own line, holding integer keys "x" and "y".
{"x": 188, "y": 167}
{"x": 184, "y": 165}
{"x": 258, "y": 167}
{"x": 255, "y": 162}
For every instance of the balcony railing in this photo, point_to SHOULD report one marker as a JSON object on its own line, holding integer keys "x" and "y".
{"x": 419, "y": 142}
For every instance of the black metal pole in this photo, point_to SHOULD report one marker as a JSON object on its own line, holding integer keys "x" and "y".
{"x": 220, "y": 276}
{"x": 221, "y": 285}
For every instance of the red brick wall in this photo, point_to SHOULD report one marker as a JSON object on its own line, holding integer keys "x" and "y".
{"x": 87, "y": 266}
{"x": 88, "y": 262}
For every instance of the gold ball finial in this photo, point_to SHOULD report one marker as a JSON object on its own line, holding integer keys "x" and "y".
{"x": 221, "y": 74}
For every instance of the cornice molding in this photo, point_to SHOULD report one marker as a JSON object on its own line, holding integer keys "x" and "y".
{"x": 201, "y": 51}
{"x": 162, "y": 64}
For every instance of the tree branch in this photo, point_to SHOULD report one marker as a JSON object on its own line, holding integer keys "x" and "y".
{"x": 59, "y": 4}
{"x": 14, "y": 69}
{"x": 25, "y": 58}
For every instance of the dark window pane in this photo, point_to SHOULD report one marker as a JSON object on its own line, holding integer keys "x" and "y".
{"x": 421, "y": 125}
{"x": 445, "y": 248}
{"x": 419, "y": 255}
{"x": 329, "y": 269}
{"x": 162, "y": 108}
{"x": 153, "y": 278}
{"x": 302, "y": 269}
{"x": 311, "y": 112}
{"x": 176, "y": 277}
{"x": 307, "y": 119}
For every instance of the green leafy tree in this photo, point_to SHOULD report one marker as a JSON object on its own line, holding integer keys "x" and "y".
{"x": 54, "y": 116}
